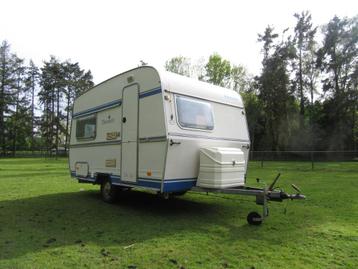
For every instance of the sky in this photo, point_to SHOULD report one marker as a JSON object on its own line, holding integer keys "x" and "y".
{"x": 109, "y": 37}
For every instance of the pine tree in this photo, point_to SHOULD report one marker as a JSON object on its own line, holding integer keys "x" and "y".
{"x": 274, "y": 92}
{"x": 303, "y": 64}
{"x": 32, "y": 79}
{"x": 8, "y": 86}
{"x": 77, "y": 81}
{"x": 49, "y": 97}
{"x": 337, "y": 58}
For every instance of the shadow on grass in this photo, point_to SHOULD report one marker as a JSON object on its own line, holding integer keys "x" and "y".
{"x": 36, "y": 223}
{"x": 80, "y": 218}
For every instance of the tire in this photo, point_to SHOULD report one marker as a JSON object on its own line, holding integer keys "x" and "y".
{"x": 254, "y": 218}
{"x": 108, "y": 191}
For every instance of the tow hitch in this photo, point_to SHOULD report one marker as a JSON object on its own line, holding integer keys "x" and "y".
{"x": 263, "y": 196}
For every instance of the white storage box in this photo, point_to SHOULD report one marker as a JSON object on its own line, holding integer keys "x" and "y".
{"x": 221, "y": 168}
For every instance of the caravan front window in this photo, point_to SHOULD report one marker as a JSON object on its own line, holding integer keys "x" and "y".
{"x": 86, "y": 127}
{"x": 194, "y": 113}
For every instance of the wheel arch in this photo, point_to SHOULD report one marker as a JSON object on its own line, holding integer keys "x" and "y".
{"x": 101, "y": 177}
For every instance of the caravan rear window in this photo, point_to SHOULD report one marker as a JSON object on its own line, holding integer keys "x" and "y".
{"x": 86, "y": 127}
{"x": 194, "y": 113}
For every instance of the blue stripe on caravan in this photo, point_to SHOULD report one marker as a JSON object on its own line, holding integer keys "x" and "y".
{"x": 115, "y": 103}
{"x": 88, "y": 179}
{"x": 178, "y": 185}
{"x": 140, "y": 182}
{"x": 115, "y": 179}
{"x": 98, "y": 108}
{"x": 150, "y": 92}
{"x": 170, "y": 185}
{"x": 181, "y": 179}
{"x": 150, "y": 184}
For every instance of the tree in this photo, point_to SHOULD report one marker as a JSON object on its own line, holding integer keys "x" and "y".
{"x": 239, "y": 79}
{"x": 273, "y": 86}
{"x": 255, "y": 116}
{"x": 179, "y": 65}
{"x": 8, "y": 88}
{"x": 267, "y": 38}
{"x": 218, "y": 70}
{"x": 338, "y": 59}
{"x": 31, "y": 82}
{"x": 76, "y": 82}
{"x": 303, "y": 63}
{"x": 51, "y": 87}
{"x": 61, "y": 83}
{"x": 17, "y": 126}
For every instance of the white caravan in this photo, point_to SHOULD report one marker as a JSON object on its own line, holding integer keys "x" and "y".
{"x": 161, "y": 131}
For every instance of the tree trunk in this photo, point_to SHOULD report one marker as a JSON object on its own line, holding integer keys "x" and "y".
{"x": 302, "y": 103}
{"x": 311, "y": 118}
{"x": 14, "y": 136}
{"x": 2, "y": 134}
{"x": 2, "y": 109}
{"x": 32, "y": 113}
{"x": 354, "y": 127}
{"x": 67, "y": 118}
{"x": 57, "y": 119}
{"x": 52, "y": 121}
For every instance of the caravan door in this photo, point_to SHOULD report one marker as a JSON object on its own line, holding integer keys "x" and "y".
{"x": 129, "y": 155}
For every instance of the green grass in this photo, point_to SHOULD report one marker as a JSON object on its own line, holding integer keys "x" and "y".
{"x": 48, "y": 220}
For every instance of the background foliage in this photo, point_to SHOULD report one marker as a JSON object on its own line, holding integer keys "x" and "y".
{"x": 304, "y": 98}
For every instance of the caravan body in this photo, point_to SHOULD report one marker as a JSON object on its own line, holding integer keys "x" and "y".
{"x": 160, "y": 131}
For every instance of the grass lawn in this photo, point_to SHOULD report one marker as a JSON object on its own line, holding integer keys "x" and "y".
{"x": 48, "y": 220}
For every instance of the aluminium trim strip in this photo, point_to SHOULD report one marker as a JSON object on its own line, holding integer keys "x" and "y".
{"x": 152, "y": 139}
{"x": 118, "y": 142}
{"x": 96, "y": 144}
{"x": 180, "y": 179}
{"x": 207, "y": 137}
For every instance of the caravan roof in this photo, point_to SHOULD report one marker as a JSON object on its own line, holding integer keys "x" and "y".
{"x": 192, "y": 87}
{"x": 172, "y": 83}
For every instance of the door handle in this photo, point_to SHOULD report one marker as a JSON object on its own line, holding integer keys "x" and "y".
{"x": 124, "y": 119}
{"x": 174, "y": 143}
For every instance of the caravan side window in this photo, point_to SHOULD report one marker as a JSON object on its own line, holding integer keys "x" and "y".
{"x": 86, "y": 127}
{"x": 194, "y": 113}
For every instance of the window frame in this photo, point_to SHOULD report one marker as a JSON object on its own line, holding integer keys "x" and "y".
{"x": 95, "y": 130}
{"x": 198, "y": 100}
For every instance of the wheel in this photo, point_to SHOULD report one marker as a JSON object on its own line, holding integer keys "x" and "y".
{"x": 254, "y": 218}
{"x": 108, "y": 191}
{"x": 163, "y": 195}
